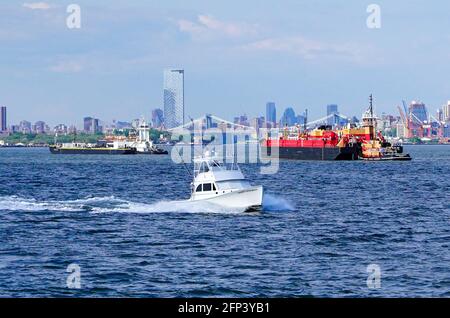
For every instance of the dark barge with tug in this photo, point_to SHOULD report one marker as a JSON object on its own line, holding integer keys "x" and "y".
{"x": 324, "y": 143}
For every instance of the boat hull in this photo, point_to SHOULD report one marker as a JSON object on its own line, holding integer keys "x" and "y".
{"x": 153, "y": 152}
{"x": 315, "y": 153}
{"x": 249, "y": 200}
{"x": 92, "y": 151}
{"x": 390, "y": 158}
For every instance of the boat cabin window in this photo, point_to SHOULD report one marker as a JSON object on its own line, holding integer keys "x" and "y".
{"x": 206, "y": 187}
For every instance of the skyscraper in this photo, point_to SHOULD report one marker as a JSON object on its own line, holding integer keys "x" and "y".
{"x": 446, "y": 112}
{"x": 91, "y": 125}
{"x": 419, "y": 110}
{"x": 173, "y": 97}
{"x": 332, "y": 109}
{"x": 289, "y": 118}
{"x": 95, "y": 126}
{"x": 87, "y": 124}
{"x": 39, "y": 127}
{"x": 157, "y": 118}
{"x": 3, "y": 123}
{"x": 301, "y": 119}
{"x": 271, "y": 113}
{"x": 25, "y": 127}
{"x": 440, "y": 114}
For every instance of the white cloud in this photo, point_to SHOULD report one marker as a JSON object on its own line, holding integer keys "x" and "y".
{"x": 37, "y": 5}
{"x": 208, "y": 26}
{"x": 252, "y": 38}
{"x": 67, "y": 67}
{"x": 305, "y": 48}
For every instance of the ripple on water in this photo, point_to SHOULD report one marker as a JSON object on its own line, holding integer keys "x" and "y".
{"x": 122, "y": 220}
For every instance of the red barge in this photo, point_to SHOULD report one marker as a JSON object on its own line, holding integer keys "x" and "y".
{"x": 323, "y": 143}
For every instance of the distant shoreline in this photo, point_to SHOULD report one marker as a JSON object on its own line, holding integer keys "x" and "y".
{"x": 24, "y": 146}
{"x": 46, "y": 146}
{"x": 447, "y": 144}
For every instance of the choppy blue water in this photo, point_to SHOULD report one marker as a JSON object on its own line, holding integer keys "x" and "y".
{"x": 323, "y": 224}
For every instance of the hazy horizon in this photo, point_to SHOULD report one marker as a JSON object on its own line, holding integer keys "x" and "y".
{"x": 236, "y": 55}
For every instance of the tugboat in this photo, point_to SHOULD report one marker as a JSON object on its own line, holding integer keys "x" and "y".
{"x": 385, "y": 153}
{"x": 376, "y": 148}
{"x": 224, "y": 185}
{"x": 381, "y": 150}
{"x": 143, "y": 143}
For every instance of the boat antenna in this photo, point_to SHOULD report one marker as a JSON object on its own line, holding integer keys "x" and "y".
{"x": 187, "y": 169}
{"x": 185, "y": 165}
{"x": 371, "y": 105}
{"x": 306, "y": 118}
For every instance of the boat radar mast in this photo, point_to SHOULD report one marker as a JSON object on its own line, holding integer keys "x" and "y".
{"x": 370, "y": 119}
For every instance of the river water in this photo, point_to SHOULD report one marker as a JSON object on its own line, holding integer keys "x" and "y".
{"x": 116, "y": 219}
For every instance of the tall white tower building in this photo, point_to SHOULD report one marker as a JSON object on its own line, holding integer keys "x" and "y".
{"x": 173, "y": 98}
{"x": 3, "y": 122}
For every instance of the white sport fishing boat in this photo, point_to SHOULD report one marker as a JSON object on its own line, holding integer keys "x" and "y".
{"x": 224, "y": 185}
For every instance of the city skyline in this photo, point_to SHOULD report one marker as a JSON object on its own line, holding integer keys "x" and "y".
{"x": 235, "y": 61}
{"x": 419, "y": 110}
{"x": 413, "y": 121}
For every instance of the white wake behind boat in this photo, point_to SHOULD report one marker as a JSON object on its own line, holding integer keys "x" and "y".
{"x": 224, "y": 185}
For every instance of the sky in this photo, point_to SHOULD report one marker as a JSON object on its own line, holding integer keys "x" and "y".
{"x": 237, "y": 55}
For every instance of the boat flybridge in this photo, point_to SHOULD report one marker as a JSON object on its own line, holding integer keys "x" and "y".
{"x": 224, "y": 184}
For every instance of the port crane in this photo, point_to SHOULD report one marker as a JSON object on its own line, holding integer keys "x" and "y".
{"x": 412, "y": 123}
{"x": 416, "y": 122}
{"x": 416, "y": 127}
